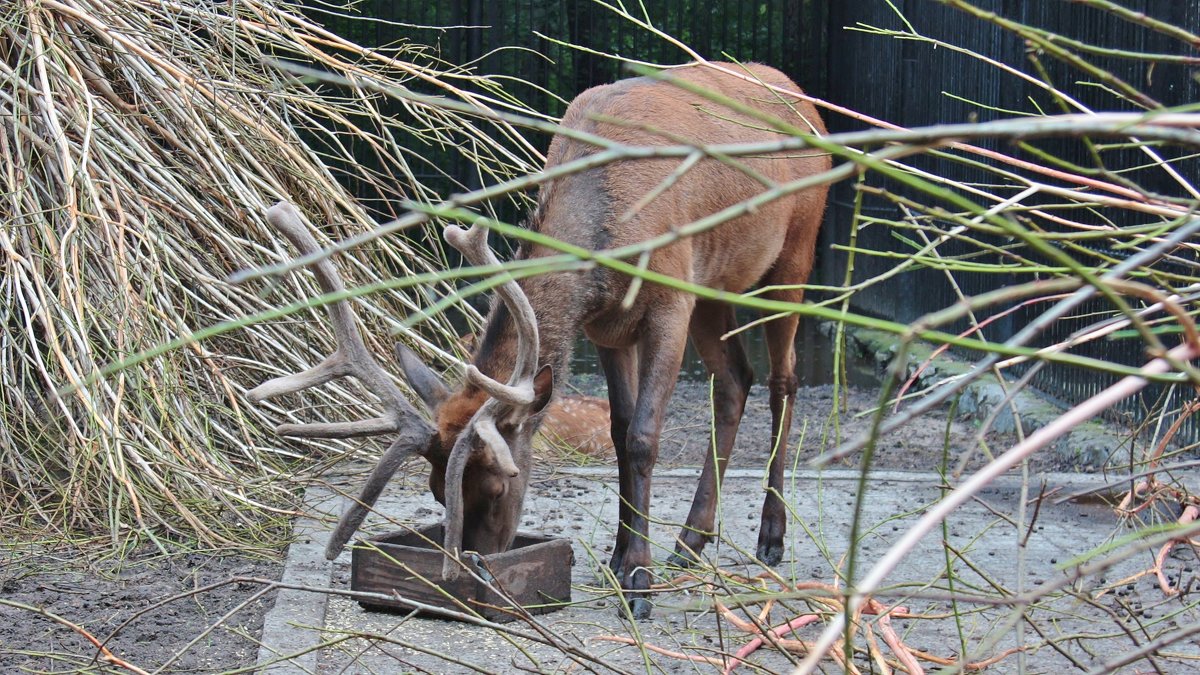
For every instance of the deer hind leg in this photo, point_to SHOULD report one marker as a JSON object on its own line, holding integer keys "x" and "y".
{"x": 782, "y": 384}
{"x": 660, "y": 354}
{"x": 620, "y": 370}
{"x": 732, "y": 377}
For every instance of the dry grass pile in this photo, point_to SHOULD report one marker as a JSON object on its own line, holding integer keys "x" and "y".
{"x": 143, "y": 141}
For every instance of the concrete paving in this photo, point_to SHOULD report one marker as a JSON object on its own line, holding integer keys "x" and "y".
{"x": 994, "y": 558}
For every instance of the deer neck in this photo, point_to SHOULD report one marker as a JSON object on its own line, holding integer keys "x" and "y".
{"x": 558, "y": 302}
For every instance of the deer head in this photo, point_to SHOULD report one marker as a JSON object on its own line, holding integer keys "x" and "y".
{"x": 481, "y": 449}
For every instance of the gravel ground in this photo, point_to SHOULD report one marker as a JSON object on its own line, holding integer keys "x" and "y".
{"x": 100, "y": 591}
{"x": 918, "y": 446}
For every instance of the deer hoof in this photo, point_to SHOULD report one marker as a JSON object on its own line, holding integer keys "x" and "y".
{"x": 640, "y": 608}
{"x": 682, "y": 559}
{"x": 770, "y": 553}
{"x": 617, "y": 563}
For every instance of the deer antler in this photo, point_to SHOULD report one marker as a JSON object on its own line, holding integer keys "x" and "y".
{"x": 473, "y": 245}
{"x": 351, "y": 358}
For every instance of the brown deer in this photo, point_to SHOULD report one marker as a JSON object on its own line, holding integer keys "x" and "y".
{"x": 480, "y": 449}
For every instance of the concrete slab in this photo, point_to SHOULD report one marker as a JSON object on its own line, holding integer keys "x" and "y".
{"x": 994, "y": 558}
{"x": 291, "y": 634}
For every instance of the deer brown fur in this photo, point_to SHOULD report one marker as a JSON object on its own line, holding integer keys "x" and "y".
{"x": 641, "y": 346}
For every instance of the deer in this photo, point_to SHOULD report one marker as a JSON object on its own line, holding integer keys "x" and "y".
{"x": 479, "y": 443}
{"x": 580, "y": 424}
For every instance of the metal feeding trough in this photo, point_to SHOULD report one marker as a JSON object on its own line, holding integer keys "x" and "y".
{"x": 535, "y": 574}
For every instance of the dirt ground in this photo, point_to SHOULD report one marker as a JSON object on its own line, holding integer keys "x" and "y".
{"x": 127, "y": 600}
{"x": 134, "y": 604}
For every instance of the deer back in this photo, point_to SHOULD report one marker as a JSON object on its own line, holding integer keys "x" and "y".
{"x": 605, "y": 207}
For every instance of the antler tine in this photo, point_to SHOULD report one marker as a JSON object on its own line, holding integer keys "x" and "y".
{"x": 456, "y": 466}
{"x": 473, "y": 245}
{"x": 357, "y": 512}
{"x": 350, "y": 358}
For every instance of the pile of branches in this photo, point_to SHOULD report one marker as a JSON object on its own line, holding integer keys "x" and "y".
{"x": 143, "y": 141}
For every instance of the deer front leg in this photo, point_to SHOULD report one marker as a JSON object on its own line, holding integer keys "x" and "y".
{"x": 620, "y": 370}
{"x": 660, "y": 354}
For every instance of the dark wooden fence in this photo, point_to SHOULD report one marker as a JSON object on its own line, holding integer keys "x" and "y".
{"x": 912, "y": 84}
{"x": 502, "y": 37}
{"x": 903, "y": 81}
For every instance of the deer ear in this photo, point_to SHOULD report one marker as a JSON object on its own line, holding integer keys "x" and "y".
{"x": 424, "y": 381}
{"x": 467, "y": 342}
{"x": 543, "y": 389}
